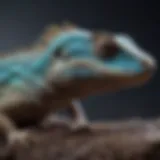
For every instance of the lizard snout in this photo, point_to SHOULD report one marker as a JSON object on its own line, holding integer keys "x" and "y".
{"x": 150, "y": 65}
{"x": 128, "y": 45}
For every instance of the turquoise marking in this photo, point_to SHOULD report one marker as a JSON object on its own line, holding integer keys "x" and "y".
{"x": 14, "y": 70}
{"x": 124, "y": 62}
{"x": 60, "y": 41}
{"x": 30, "y": 71}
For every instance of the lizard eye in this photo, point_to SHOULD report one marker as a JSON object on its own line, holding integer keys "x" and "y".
{"x": 108, "y": 51}
{"x": 105, "y": 46}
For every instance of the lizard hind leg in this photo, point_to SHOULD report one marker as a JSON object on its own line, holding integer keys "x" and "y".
{"x": 5, "y": 127}
{"x": 10, "y": 136}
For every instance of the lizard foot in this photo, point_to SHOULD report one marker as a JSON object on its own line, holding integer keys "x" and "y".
{"x": 19, "y": 138}
{"x": 80, "y": 125}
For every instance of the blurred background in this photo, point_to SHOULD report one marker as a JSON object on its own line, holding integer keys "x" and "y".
{"x": 21, "y": 22}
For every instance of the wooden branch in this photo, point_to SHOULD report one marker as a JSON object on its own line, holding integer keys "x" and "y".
{"x": 127, "y": 140}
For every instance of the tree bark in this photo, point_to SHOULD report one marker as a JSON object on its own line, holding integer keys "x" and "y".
{"x": 127, "y": 140}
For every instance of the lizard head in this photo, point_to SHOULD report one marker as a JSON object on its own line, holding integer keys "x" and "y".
{"x": 100, "y": 61}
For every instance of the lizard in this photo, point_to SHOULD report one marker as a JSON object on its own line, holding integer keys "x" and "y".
{"x": 75, "y": 63}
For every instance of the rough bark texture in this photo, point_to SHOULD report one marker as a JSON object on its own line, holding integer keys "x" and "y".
{"x": 128, "y": 140}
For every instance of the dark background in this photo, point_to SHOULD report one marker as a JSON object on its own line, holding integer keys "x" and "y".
{"x": 21, "y": 22}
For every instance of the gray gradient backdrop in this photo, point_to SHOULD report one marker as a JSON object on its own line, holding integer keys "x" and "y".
{"x": 22, "y": 21}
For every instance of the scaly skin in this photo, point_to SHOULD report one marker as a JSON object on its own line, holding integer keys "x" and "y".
{"x": 76, "y": 63}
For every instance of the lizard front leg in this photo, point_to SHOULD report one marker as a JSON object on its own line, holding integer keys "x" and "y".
{"x": 78, "y": 119}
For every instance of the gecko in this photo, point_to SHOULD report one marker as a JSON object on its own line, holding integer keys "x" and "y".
{"x": 75, "y": 63}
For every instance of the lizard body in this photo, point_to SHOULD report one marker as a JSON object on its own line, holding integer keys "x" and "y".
{"x": 75, "y": 63}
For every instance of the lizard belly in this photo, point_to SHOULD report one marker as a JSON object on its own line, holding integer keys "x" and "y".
{"x": 26, "y": 113}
